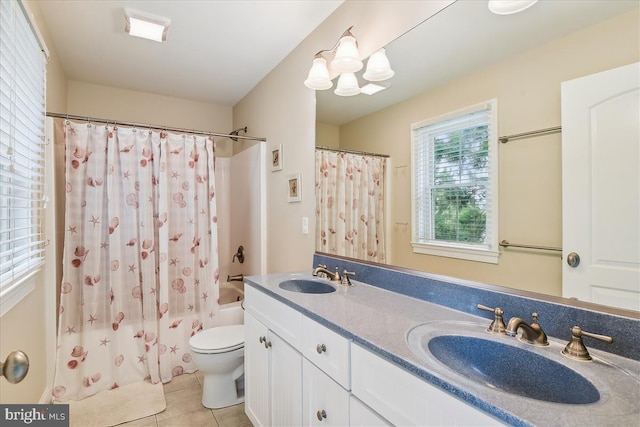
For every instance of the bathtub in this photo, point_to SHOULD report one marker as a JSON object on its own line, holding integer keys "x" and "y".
{"x": 231, "y": 299}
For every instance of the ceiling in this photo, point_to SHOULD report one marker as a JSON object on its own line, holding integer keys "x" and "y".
{"x": 216, "y": 50}
{"x": 464, "y": 38}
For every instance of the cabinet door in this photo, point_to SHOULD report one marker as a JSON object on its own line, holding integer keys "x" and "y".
{"x": 325, "y": 403}
{"x": 286, "y": 383}
{"x": 256, "y": 371}
{"x": 360, "y": 415}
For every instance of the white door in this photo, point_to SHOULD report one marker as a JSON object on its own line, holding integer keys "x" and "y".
{"x": 601, "y": 187}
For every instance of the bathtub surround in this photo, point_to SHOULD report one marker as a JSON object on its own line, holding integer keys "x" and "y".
{"x": 556, "y": 318}
{"x": 140, "y": 259}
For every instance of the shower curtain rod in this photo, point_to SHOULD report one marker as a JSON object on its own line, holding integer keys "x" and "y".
{"x": 343, "y": 150}
{"x": 144, "y": 126}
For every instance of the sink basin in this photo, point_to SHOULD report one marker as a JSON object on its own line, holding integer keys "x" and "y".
{"x": 307, "y": 286}
{"x": 512, "y": 369}
{"x": 466, "y": 352}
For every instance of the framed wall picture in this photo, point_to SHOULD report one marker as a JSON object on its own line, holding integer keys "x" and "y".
{"x": 294, "y": 188}
{"x": 276, "y": 158}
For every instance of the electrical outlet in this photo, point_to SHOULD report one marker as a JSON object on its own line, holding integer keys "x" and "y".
{"x": 305, "y": 225}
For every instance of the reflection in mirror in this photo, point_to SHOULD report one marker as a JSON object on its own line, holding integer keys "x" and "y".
{"x": 465, "y": 55}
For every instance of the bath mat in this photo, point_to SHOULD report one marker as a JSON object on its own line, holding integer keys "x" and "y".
{"x": 112, "y": 407}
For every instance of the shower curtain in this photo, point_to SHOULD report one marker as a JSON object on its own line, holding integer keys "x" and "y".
{"x": 350, "y": 205}
{"x": 140, "y": 267}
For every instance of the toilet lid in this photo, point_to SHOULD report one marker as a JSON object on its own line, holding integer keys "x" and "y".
{"x": 218, "y": 339}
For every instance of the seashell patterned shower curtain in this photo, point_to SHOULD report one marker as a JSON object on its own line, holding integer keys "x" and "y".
{"x": 350, "y": 205}
{"x": 140, "y": 273}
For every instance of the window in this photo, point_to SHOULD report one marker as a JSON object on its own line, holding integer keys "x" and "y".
{"x": 22, "y": 67}
{"x": 454, "y": 196}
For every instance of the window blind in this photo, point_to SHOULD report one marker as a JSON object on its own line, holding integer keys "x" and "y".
{"x": 452, "y": 188}
{"x": 22, "y": 115}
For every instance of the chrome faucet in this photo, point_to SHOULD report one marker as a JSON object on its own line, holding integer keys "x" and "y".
{"x": 532, "y": 334}
{"x": 334, "y": 276}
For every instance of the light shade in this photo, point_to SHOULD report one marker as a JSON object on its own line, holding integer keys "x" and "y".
{"x": 347, "y": 59}
{"x": 347, "y": 85}
{"x": 318, "y": 78}
{"x": 378, "y": 67}
{"x": 508, "y": 7}
{"x": 145, "y": 25}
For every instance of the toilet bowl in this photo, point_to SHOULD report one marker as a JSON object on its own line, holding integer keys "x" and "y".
{"x": 219, "y": 354}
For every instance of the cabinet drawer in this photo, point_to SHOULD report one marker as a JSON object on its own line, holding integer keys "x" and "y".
{"x": 324, "y": 402}
{"x": 405, "y": 399}
{"x": 278, "y": 317}
{"x": 327, "y": 350}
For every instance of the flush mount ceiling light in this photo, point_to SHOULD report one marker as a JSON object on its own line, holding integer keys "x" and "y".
{"x": 372, "y": 88}
{"x": 508, "y": 7}
{"x": 346, "y": 62}
{"x": 146, "y": 25}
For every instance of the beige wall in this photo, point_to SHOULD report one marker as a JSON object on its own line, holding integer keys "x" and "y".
{"x": 528, "y": 91}
{"x": 282, "y": 109}
{"x": 327, "y": 135}
{"x": 86, "y": 99}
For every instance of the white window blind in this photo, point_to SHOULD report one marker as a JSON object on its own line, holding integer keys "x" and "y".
{"x": 454, "y": 181}
{"x": 22, "y": 114}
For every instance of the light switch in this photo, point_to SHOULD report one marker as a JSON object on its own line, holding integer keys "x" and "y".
{"x": 305, "y": 225}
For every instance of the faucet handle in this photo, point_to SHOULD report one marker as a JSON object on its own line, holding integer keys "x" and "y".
{"x": 497, "y": 326}
{"x": 345, "y": 277}
{"x": 575, "y": 349}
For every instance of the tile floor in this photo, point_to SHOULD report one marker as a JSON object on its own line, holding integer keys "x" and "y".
{"x": 184, "y": 408}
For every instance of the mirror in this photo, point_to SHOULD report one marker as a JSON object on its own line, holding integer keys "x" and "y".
{"x": 465, "y": 55}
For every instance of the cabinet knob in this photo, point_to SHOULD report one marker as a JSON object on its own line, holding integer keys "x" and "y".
{"x": 267, "y": 344}
{"x": 321, "y": 415}
{"x": 262, "y": 339}
{"x": 321, "y": 348}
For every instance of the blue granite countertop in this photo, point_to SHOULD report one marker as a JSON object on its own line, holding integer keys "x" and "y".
{"x": 379, "y": 320}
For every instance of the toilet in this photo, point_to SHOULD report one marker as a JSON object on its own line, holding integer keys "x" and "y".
{"x": 219, "y": 354}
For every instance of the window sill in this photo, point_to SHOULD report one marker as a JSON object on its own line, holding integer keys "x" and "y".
{"x": 11, "y": 296}
{"x": 468, "y": 253}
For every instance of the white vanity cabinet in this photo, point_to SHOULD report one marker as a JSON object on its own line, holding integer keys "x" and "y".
{"x": 404, "y": 399}
{"x": 273, "y": 363}
{"x": 300, "y": 373}
{"x": 326, "y": 376}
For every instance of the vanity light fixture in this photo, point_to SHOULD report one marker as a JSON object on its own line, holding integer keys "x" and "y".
{"x": 146, "y": 25}
{"x": 378, "y": 67}
{"x": 509, "y": 7}
{"x": 346, "y": 62}
{"x": 347, "y": 59}
{"x": 347, "y": 85}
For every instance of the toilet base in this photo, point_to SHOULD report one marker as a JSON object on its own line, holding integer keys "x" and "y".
{"x": 220, "y": 391}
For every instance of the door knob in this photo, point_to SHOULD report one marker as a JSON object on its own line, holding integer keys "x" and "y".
{"x": 573, "y": 259}
{"x": 15, "y": 367}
